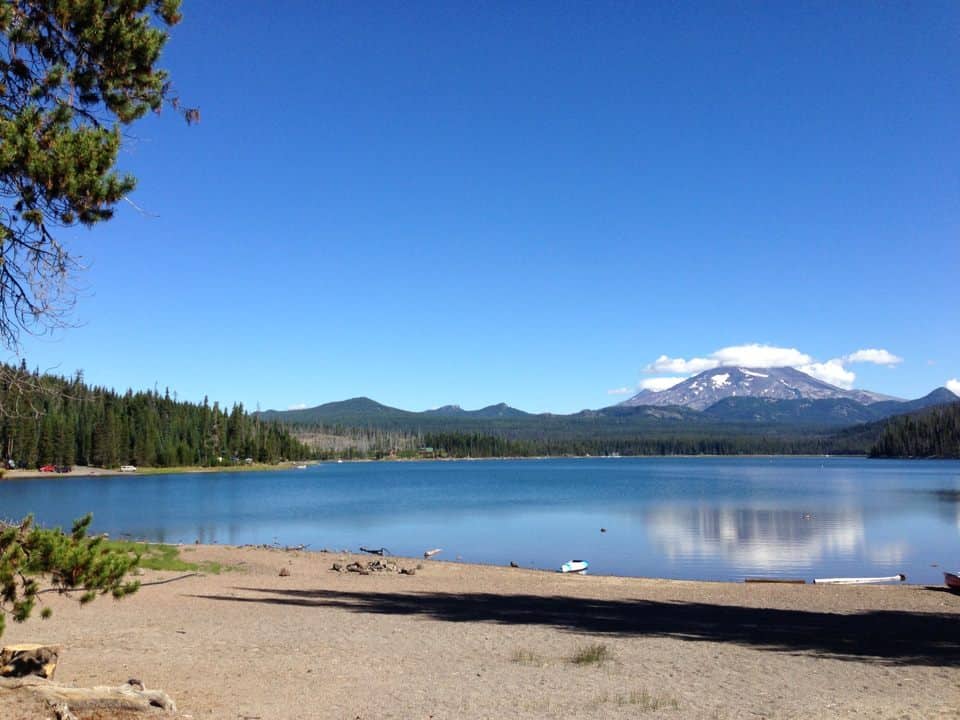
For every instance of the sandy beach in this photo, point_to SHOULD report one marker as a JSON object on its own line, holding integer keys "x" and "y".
{"x": 467, "y": 641}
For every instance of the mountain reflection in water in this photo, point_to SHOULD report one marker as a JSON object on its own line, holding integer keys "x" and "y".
{"x": 757, "y": 539}
{"x": 686, "y": 518}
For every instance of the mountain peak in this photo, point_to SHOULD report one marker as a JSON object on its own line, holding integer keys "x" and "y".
{"x": 780, "y": 383}
{"x": 499, "y": 410}
{"x": 446, "y": 410}
{"x": 943, "y": 395}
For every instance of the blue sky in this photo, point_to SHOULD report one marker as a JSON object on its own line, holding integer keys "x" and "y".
{"x": 532, "y": 202}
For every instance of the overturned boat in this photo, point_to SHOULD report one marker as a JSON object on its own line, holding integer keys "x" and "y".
{"x": 860, "y": 580}
{"x": 575, "y": 566}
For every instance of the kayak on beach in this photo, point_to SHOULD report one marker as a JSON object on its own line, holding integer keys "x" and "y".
{"x": 860, "y": 580}
{"x": 575, "y": 566}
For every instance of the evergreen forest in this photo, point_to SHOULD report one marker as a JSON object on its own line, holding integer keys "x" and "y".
{"x": 45, "y": 419}
{"x": 929, "y": 433}
{"x": 934, "y": 433}
{"x": 329, "y": 442}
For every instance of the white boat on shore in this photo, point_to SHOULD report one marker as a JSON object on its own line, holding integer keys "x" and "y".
{"x": 860, "y": 580}
{"x": 575, "y": 566}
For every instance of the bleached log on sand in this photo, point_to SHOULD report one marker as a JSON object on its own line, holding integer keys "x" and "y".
{"x": 133, "y": 696}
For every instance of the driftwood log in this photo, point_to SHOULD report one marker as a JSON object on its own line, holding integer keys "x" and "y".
{"x": 131, "y": 697}
{"x": 375, "y": 551}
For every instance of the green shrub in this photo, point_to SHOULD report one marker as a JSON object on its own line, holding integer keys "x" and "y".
{"x": 73, "y": 562}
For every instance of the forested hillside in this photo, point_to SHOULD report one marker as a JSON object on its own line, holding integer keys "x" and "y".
{"x": 337, "y": 441}
{"x": 933, "y": 434}
{"x": 48, "y": 419}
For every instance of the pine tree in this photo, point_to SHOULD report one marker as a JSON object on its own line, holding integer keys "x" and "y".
{"x": 72, "y": 76}
{"x": 73, "y": 561}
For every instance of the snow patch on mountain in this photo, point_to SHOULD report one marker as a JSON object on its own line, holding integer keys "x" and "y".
{"x": 784, "y": 383}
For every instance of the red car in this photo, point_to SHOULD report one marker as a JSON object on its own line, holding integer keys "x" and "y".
{"x": 48, "y": 468}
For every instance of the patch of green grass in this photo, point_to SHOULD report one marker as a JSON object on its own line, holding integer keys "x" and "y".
{"x": 647, "y": 702}
{"x": 527, "y": 657}
{"x": 157, "y": 556}
{"x": 595, "y": 654}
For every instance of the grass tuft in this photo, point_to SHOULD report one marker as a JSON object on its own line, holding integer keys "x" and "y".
{"x": 527, "y": 657}
{"x": 644, "y": 701}
{"x": 595, "y": 654}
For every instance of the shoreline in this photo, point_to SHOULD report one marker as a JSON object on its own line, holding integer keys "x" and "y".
{"x": 285, "y": 633}
{"x": 795, "y": 579}
{"x": 93, "y": 471}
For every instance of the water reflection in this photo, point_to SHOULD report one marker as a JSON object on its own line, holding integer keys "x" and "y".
{"x": 947, "y": 503}
{"x": 762, "y": 539}
{"x": 707, "y": 518}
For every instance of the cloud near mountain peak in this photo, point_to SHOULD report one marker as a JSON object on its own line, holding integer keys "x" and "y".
{"x": 757, "y": 355}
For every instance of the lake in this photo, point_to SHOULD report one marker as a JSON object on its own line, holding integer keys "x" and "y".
{"x": 693, "y": 518}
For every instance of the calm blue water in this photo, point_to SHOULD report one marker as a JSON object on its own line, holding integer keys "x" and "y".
{"x": 700, "y": 518}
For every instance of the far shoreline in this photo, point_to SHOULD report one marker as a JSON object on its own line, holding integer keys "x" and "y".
{"x": 93, "y": 471}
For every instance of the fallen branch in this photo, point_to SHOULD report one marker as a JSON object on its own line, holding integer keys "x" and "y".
{"x": 375, "y": 551}
{"x": 132, "y": 696}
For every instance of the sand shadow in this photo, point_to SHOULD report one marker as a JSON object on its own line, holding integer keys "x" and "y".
{"x": 884, "y": 636}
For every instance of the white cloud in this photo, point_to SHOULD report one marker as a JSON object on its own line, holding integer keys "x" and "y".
{"x": 831, "y": 371}
{"x": 619, "y": 391}
{"x": 679, "y": 365}
{"x": 953, "y": 386}
{"x": 298, "y": 406}
{"x": 660, "y": 383}
{"x": 877, "y": 356}
{"x": 753, "y": 355}
{"x": 760, "y": 356}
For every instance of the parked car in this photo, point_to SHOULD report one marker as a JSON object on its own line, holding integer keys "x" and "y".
{"x": 128, "y": 468}
{"x": 48, "y": 468}
{"x": 64, "y": 468}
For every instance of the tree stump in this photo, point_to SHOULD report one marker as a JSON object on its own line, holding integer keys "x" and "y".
{"x": 29, "y": 659}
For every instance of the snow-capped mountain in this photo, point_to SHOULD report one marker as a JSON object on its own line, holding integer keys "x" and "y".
{"x": 782, "y": 383}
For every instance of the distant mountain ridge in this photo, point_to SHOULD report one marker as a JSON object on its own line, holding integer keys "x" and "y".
{"x": 826, "y": 412}
{"x": 723, "y": 400}
{"x": 362, "y": 411}
{"x": 490, "y": 411}
{"x": 784, "y": 383}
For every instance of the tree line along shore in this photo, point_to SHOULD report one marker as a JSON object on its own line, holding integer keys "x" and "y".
{"x": 59, "y": 421}
{"x": 63, "y": 421}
